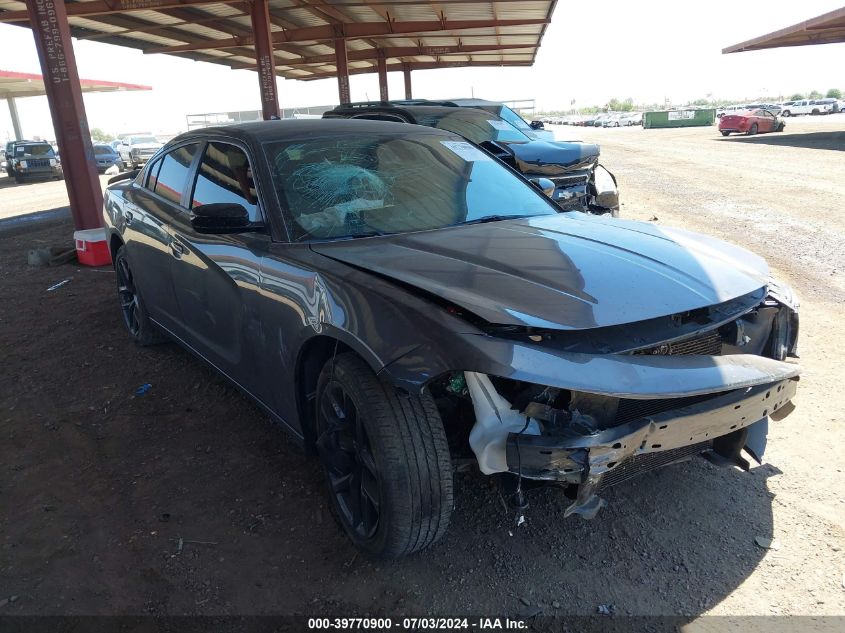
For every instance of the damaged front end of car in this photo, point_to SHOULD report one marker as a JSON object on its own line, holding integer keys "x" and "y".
{"x": 590, "y": 410}
{"x": 581, "y": 182}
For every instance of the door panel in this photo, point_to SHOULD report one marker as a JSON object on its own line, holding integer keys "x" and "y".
{"x": 216, "y": 281}
{"x": 148, "y": 239}
{"x": 216, "y": 277}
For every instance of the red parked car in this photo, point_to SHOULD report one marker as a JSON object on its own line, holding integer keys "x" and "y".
{"x": 750, "y": 122}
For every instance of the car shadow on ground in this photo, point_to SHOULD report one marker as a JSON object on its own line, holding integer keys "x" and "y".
{"x": 810, "y": 140}
{"x": 182, "y": 498}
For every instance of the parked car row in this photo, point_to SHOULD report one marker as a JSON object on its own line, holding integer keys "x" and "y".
{"x": 787, "y": 108}
{"x": 810, "y": 106}
{"x": 607, "y": 119}
{"x": 400, "y": 299}
{"x": 28, "y": 160}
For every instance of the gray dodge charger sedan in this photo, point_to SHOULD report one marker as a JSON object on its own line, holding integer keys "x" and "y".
{"x": 398, "y": 301}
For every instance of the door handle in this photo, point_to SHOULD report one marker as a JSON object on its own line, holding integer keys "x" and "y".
{"x": 177, "y": 248}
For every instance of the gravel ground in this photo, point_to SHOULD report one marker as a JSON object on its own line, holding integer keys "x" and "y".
{"x": 30, "y": 197}
{"x": 186, "y": 500}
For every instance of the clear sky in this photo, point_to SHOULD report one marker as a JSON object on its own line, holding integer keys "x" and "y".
{"x": 591, "y": 52}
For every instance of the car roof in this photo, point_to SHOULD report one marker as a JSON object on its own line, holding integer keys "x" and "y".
{"x": 411, "y": 109}
{"x": 293, "y": 129}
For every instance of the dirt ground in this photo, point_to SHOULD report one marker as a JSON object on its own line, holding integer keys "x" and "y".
{"x": 187, "y": 500}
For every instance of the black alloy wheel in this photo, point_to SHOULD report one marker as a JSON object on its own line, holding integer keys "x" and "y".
{"x": 128, "y": 297}
{"x": 132, "y": 309}
{"x": 385, "y": 457}
{"x": 345, "y": 451}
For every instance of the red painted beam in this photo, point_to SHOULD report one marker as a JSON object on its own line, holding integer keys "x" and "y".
{"x": 64, "y": 95}
{"x": 422, "y": 66}
{"x": 406, "y": 70}
{"x": 107, "y": 7}
{"x": 382, "y": 77}
{"x": 265, "y": 60}
{"x": 395, "y": 52}
{"x": 349, "y": 31}
{"x": 342, "y": 66}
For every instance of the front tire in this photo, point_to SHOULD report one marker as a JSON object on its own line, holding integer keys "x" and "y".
{"x": 135, "y": 316}
{"x": 725, "y": 133}
{"x": 752, "y": 130}
{"x": 386, "y": 460}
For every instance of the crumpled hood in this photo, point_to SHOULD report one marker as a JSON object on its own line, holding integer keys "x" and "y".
{"x": 566, "y": 271}
{"x": 550, "y": 158}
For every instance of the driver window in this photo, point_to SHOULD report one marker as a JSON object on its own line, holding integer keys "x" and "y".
{"x": 225, "y": 175}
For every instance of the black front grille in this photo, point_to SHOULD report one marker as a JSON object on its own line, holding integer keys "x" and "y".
{"x": 634, "y": 409}
{"x": 37, "y": 162}
{"x": 709, "y": 344}
{"x": 639, "y": 464}
{"x": 572, "y": 180}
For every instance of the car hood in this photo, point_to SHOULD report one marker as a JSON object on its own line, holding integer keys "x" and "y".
{"x": 567, "y": 271}
{"x": 551, "y": 158}
{"x": 146, "y": 145}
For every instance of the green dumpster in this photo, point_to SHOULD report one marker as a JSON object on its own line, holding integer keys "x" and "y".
{"x": 679, "y": 118}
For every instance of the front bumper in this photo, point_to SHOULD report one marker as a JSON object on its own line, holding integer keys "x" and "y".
{"x": 587, "y": 459}
{"x": 34, "y": 173}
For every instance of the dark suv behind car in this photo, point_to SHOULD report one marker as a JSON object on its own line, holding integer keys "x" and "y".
{"x": 32, "y": 160}
{"x": 580, "y": 182}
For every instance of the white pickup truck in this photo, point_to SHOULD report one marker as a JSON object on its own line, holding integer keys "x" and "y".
{"x": 807, "y": 106}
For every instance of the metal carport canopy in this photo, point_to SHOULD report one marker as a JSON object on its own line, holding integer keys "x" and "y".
{"x": 414, "y": 33}
{"x": 824, "y": 29}
{"x": 296, "y": 39}
{"x": 15, "y": 85}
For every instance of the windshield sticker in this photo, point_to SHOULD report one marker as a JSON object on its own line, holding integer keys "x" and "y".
{"x": 498, "y": 124}
{"x": 466, "y": 151}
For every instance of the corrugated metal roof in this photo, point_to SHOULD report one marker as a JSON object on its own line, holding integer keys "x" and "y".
{"x": 824, "y": 29}
{"x": 470, "y": 32}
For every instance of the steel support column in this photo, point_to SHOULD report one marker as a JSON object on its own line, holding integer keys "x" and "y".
{"x": 70, "y": 124}
{"x": 382, "y": 76}
{"x": 16, "y": 122}
{"x": 342, "y": 70}
{"x": 265, "y": 60}
{"x": 406, "y": 70}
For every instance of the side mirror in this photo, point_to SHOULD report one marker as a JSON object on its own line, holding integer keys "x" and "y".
{"x": 221, "y": 217}
{"x": 538, "y": 125}
{"x": 545, "y": 185}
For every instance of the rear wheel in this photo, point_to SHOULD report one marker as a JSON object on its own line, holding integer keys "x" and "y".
{"x": 386, "y": 460}
{"x": 752, "y": 130}
{"x": 786, "y": 113}
{"x": 725, "y": 133}
{"x": 135, "y": 316}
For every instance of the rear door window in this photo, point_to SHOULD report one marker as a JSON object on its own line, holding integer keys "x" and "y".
{"x": 225, "y": 175}
{"x": 173, "y": 173}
